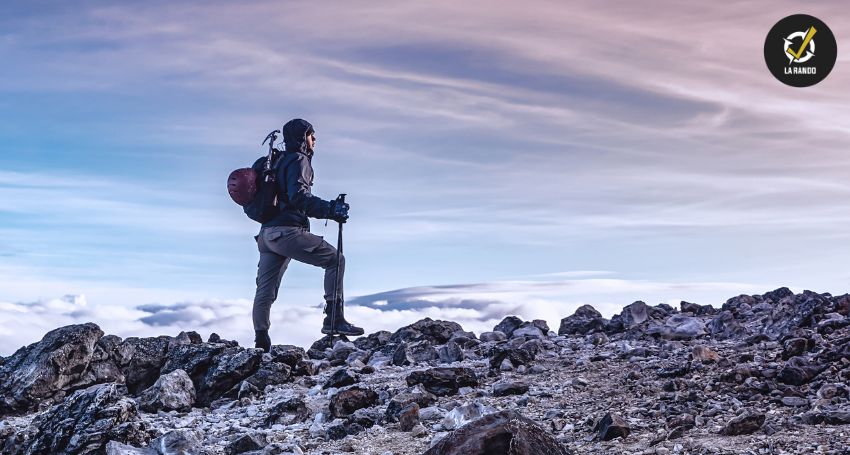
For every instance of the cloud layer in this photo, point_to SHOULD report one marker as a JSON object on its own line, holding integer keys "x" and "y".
{"x": 476, "y": 306}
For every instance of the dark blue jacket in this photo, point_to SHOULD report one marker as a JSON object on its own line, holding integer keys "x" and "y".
{"x": 295, "y": 177}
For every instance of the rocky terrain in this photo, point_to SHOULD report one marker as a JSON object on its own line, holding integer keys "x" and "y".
{"x": 763, "y": 374}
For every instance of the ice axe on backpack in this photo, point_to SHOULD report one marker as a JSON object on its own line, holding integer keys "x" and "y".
{"x": 271, "y": 138}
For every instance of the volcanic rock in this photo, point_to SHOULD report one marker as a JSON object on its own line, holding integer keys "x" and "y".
{"x": 611, "y": 426}
{"x": 744, "y": 424}
{"x": 585, "y": 320}
{"x": 41, "y": 370}
{"x": 408, "y": 417}
{"x": 85, "y": 421}
{"x": 444, "y": 380}
{"x": 504, "y": 388}
{"x": 436, "y": 332}
{"x": 347, "y": 401}
{"x": 508, "y": 325}
{"x": 172, "y": 391}
{"x": 142, "y": 359}
{"x": 502, "y": 433}
{"x": 226, "y": 370}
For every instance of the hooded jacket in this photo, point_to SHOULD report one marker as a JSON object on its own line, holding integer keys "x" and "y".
{"x": 295, "y": 179}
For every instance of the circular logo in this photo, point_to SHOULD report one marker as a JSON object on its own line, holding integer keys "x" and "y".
{"x": 800, "y": 50}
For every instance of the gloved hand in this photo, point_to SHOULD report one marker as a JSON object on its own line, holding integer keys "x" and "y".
{"x": 338, "y": 211}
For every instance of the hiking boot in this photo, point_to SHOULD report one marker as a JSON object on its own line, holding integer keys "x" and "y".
{"x": 342, "y": 326}
{"x": 262, "y": 340}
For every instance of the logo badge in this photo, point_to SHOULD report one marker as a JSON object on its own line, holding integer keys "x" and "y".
{"x": 800, "y": 50}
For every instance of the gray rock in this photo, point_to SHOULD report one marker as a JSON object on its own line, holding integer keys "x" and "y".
{"x": 402, "y": 400}
{"x": 611, "y": 426}
{"x": 585, "y": 320}
{"x": 144, "y": 359}
{"x": 744, "y": 424}
{"x": 529, "y": 330}
{"x": 493, "y": 336}
{"x": 226, "y": 370}
{"x": 345, "y": 402}
{"x": 502, "y": 433}
{"x": 172, "y": 391}
{"x": 504, "y": 388}
{"x": 436, "y": 332}
{"x": 118, "y": 448}
{"x": 36, "y": 373}
{"x": 374, "y": 341}
{"x": 445, "y": 380}
{"x": 408, "y": 417}
{"x": 178, "y": 442}
{"x": 86, "y": 421}
{"x": 450, "y": 352}
{"x": 341, "y": 378}
{"x": 287, "y": 412}
{"x": 245, "y": 443}
{"x": 508, "y": 325}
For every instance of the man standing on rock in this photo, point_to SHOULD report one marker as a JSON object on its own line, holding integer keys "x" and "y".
{"x": 287, "y": 236}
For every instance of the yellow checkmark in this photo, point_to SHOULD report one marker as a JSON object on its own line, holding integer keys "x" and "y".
{"x": 799, "y": 53}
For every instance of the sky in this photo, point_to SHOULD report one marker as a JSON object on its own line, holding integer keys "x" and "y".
{"x": 499, "y": 158}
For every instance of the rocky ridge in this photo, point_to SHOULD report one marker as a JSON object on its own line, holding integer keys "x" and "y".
{"x": 762, "y": 374}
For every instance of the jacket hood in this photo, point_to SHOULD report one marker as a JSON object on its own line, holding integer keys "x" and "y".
{"x": 295, "y": 135}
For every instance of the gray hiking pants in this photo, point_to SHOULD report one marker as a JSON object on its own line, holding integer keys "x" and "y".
{"x": 278, "y": 245}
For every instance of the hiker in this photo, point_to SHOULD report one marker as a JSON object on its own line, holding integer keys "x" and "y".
{"x": 287, "y": 236}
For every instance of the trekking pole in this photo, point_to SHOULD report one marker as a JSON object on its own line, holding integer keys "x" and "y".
{"x": 340, "y": 200}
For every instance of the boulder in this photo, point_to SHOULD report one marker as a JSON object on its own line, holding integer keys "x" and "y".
{"x": 704, "y": 354}
{"x": 119, "y": 448}
{"x": 696, "y": 310}
{"x": 680, "y": 327}
{"x": 611, "y": 426}
{"x": 725, "y": 326}
{"x": 341, "y": 378}
{"x": 319, "y": 347}
{"x": 142, "y": 359}
{"x": 450, "y": 352}
{"x": 515, "y": 355}
{"x": 86, "y": 421}
{"x": 178, "y": 442}
{"x": 194, "y": 359}
{"x": 245, "y": 443}
{"x": 293, "y": 356}
{"x": 373, "y": 341}
{"x": 226, "y": 370}
{"x": 493, "y": 336}
{"x": 585, "y": 320}
{"x": 502, "y": 433}
{"x": 504, "y": 388}
{"x": 793, "y": 311}
{"x": 444, "y": 380}
{"x": 36, "y": 373}
{"x": 270, "y": 373}
{"x": 798, "y": 371}
{"x": 172, "y": 391}
{"x": 414, "y": 353}
{"x": 528, "y": 329}
{"x": 508, "y": 325}
{"x": 402, "y": 400}
{"x": 436, "y": 332}
{"x": 744, "y": 424}
{"x": 408, "y": 417}
{"x": 287, "y": 412}
{"x": 345, "y": 402}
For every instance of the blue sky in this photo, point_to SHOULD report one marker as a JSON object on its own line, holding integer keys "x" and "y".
{"x": 523, "y": 158}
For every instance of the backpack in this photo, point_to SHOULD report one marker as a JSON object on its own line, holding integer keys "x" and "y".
{"x": 255, "y": 188}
